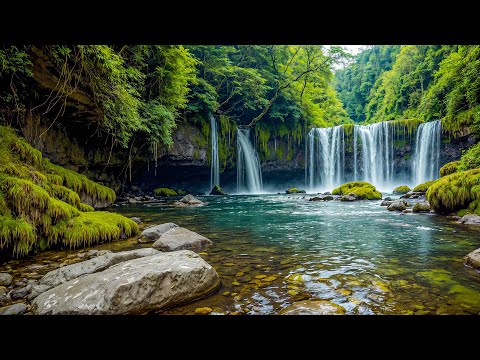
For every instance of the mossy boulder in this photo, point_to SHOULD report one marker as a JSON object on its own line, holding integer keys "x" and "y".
{"x": 401, "y": 190}
{"x": 41, "y": 203}
{"x": 423, "y": 187}
{"x": 217, "y": 190}
{"x": 449, "y": 168}
{"x": 295, "y": 191}
{"x": 165, "y": 192}
{"x": 362, "y": 189}
{"x": 455, "y": 192}
{"x": 422, "y": 206}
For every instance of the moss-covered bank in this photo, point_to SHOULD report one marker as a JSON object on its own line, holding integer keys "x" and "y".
{"x": 40, "y": 203}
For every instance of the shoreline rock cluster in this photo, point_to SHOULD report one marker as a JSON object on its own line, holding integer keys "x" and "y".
{"x": 128, "y": 282}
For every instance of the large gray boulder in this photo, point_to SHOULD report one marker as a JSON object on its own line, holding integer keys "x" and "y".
{"x": 470, "y": 219}
{"x": 348, "y": 197}
{"x": 473, "y": 259}
{"x": 188, "y": 200}
{"x": 397, "y": 205}
{"x": 421, "y": 206}
{"x": 386, "y": 203}
{"x": 5, "y": 279}
{"x": 153, "y": 233}
{"x": 100, "y": 263}
{"x": 181, "y": 239}
{"x": 133, "y": 287}
{"x": 313, "y": 307}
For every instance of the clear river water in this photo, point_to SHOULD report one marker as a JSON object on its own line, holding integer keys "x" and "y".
{"x": 273, "y": 250}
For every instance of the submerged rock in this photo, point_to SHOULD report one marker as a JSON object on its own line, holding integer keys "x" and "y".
{"x": 473, "y": 259}
{"x": 153, "y": 233}
{"x": 421, "y": 206}
{"x": 470, "y": 219}
{"x": 348, "y": 198}
{"x": 180, "y": 238}
{"x": 133, "y": 287}
{"x": 313, "y": 307}
{"x": 397, "y": 205}
{"x": 100, "y": 263}
{"x": 295, "y": 191}
{"x": 188, "y": 200}
{"x": 5, "y": 279}
{"x": 217, "y": 190}
{"x": 15, "y": 309}
{"x": 321, "y": 198}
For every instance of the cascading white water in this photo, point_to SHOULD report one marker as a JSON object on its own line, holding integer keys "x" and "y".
{"x": 377, "y": 153}
{"x": 426, "y": 163}
{"x": 326, "y": 157}
{"x": 214, "y": 167}
{"x": 373, "y": 155}
{"x": 249, "y": 172}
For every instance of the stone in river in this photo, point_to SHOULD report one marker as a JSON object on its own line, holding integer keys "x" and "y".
{"x": 20, "y": 293}
{"x": 188, "y": 200}
{"x": 313, "y": 307}
{"x": 5, "y": 279}
{"x": 100, "y": 263}
{"x": 397, "y": 205}
{"x": 470, "y": 219}
{"x": 136, "y": 286}
{"x": 473, "y": 259}
{"x": 203, "y": 311}
{"x": 422, "y": 206}
{"x": 15, "y": 309}
{"x": 180, "y": 238}
{"x": 153, "y": 233}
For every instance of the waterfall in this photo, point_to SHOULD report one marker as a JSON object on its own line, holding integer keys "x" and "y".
{"x": 214, "y": 167}
{"x": 372, "y": 150}
{"x": 249, "y": 172}
{"x": 426, "y": 163}
{"x": 326, "y": 157}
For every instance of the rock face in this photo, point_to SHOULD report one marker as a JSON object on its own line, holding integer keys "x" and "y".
{"x": 421, "y": 206}
{"x": 217, "y": 190}
{"x": 313, "y": 307}
{"x": 470, "y": 219}
{"x": 153, "y": 233}
{"x": 133, "y": 287}
{"x": 37, "y": 290}
{"x": 473, "y": 259}
{"x": 180, "y": 238}
{"x": 188, "y": 200}
{"x": 15, "y": 309}
{"x": 100, "y": 263}
{"x": 5, "y": 279}
{"x": 397, "y": 205}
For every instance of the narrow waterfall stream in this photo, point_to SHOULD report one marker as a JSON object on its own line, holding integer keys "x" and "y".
{"x": 214, "y": 168}
{"x": 249, "y": 171}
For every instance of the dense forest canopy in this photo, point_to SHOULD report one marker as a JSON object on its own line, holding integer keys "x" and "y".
{"x": 427, "y": 82}
{"x": 124, "y": 90}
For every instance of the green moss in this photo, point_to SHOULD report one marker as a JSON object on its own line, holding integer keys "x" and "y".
{"x": 456, "y": 191}
{"x": 449, "y": 168}
{"x": 92, "y": 227}
{"x": 165, "y": 192}
{"x": 406, "y": 126}
{"x": 423, "y": 187}
{"x": 181, "y": 192}
{"x": 464, "y": 212}
{"x": 362, "y": 189}
{"x": 406, "y": 156}
{"x": 401, "y": 189}
{"x": 348, "y": 129}
{"x": 470, "y": 158}
{"x": 38, "y": 199}
{"x": 294, "y": 191}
